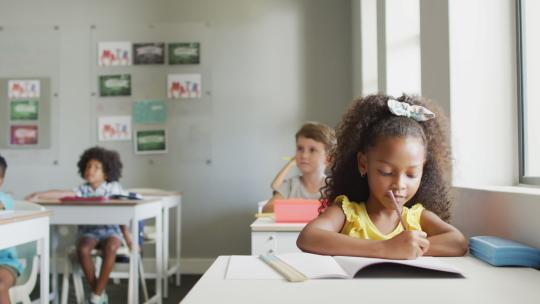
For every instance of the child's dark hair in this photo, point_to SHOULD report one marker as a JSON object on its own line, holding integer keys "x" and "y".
{"x": 367, "y": 120}
{"x": 110, "y": 160}
{"x": 3, "y": 166}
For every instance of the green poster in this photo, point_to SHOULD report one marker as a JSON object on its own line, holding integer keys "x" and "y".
{"x": 115, "y": 85}
{"x": 185, "y": 53}
{"x": 150, "y": 141}
{"x": 149, "y": 112}
{"x": 24, "y": 109}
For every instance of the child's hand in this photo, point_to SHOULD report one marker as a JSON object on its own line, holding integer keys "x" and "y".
{"x": 407, "y": 245}
{"x": 32, "y": 197}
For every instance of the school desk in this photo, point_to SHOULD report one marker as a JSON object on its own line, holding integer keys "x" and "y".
{"x": 171, "y": 199}
{"x": 23, "y": 226}
{"x": 267, "y": 236}
{"x": 112, "y": 212}
{"x": 483, "y": 283}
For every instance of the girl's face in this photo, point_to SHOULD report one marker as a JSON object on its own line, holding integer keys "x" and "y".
{"x": 94, "y": 173}
{"x": 393, "y": 164}
{"x": 310, "y": 155}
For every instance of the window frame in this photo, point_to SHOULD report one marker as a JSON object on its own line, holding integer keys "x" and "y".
{"x": 521, "y": 87}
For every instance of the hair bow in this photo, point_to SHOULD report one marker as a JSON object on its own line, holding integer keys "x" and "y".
{"x": 418, "y": 113}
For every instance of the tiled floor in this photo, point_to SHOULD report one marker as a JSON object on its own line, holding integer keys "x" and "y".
{"x": 118, "y": 293}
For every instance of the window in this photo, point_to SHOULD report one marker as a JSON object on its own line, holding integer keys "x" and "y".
{"x": 528, "y": 56}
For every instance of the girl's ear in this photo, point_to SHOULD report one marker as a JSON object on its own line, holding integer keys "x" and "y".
{"x": 361, "y": 160}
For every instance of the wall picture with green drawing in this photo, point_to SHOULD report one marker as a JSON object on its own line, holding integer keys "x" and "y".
{"x": 24, "y": 109}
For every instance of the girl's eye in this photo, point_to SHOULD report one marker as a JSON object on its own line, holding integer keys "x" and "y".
{"x": 412, "y": 175}
{"x": 385, "y": 173}
{"x": 311, "y": 150}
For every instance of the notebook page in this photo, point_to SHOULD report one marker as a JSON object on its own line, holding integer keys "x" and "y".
{"x": 352, "y": 265}
{"x": 314, "y": 266}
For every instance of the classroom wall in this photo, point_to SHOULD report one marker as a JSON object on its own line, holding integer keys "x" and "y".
{"x": 274, "y": 64}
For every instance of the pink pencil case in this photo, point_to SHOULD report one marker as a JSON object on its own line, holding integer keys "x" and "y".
{"x": 295, "y": 210}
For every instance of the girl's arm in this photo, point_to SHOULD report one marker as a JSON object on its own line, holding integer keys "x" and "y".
{"x": 50, "y": 194}
{"x": 444, "y": 239}
{"x": 278, "y": 180}
{"x": 321, "y": 236}
{"x": 269, "y": 206}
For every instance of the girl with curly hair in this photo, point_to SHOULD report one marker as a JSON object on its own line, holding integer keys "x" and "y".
{"x": 392, "y": 154}
{"x": 101, "y": 169}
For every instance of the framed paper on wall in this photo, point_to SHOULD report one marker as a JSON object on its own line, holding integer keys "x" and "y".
{"x": 114, "y": 128}
{"x": 185, "y": 53}
{"x": 115, "y": 85}
{"x": 150, "y": 141}
{"x": 184, "y": 86}
{"x": 114, "y": 53}
{"x": 24, "y": 109}
{"x": 148, "y": 53}
{"x": 23, "y": 135}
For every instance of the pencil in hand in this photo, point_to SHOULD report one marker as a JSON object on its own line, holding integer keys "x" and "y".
{"x": 396, "y": 207}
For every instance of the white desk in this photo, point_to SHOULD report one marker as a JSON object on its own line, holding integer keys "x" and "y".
{"x": 483, "y": 284}
{"x": 267, "y": 236}
{"x": 112, "y": 212}
{"x": 23, "y": 226}
{"x": 170, "y": 199}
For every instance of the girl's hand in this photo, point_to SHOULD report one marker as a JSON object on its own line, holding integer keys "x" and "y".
{"x": 408, "y": 245}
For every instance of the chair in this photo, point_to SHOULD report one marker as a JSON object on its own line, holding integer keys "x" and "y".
{"x": 72, "y": 266}
{"x": 28, "y": 253}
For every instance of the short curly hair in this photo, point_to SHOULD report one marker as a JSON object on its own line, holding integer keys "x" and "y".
{"x": 368, "y": 119}
{"x": 3, "y": 166}
{"x": 109, "y": 159}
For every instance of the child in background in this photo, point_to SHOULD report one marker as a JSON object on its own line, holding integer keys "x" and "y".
{"x": 101, "y": 169}
{"x": 387, "y": 147}
{"x": 313, "y": 144}
{"x": 10, "y": 267}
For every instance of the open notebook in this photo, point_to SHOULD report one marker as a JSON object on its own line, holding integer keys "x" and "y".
{"x": 315, "y": 266}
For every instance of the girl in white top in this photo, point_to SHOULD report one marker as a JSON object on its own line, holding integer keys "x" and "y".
{"x": 313, "y": 144}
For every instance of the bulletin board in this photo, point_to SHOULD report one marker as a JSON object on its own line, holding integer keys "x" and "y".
{"x": 188, "y": 120}
{"x": 30, "y": 55}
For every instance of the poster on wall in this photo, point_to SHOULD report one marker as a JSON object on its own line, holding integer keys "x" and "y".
{"x": 184, "y": 86}
{"x": 114, "y": 128}
{"x": 148, "y": 53}
{"x": 149, "y": 112}
{"x": 115, "y": 85}
{"x": 150, "y": 141}
{"x": 24, "y": 109}
{"x": 185, "y": 53}
{"x": 23, "y": 135}
{"x": 23, "y": 89}
{"x": 114, "y": 53}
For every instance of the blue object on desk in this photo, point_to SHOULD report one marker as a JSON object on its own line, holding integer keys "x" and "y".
{"x": 501, "y": 252}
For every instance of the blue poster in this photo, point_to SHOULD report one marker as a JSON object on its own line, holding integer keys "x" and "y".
{"x": 149, "y": 112}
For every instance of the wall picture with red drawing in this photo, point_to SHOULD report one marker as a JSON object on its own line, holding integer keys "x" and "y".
{"x": 18, "y": 89}
{"x": 114, "y": 128}
{"x": 114, "y": 53}
{"x": 23, "y": 135}
{"x": 184, "y": 86}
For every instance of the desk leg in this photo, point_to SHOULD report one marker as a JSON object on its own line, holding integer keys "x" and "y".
{"x": 133, "y": 296}
{"x": 178, "y": 239}
{"x": 44, "y": 268}
{"x": 54, "y": 246}
{"x": 165, "y": 252}
{"x": 159, "y": 256}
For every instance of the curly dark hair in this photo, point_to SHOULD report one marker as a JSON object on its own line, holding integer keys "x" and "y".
{"x": 368, "y": 119}
{"x": 110, "y": 160}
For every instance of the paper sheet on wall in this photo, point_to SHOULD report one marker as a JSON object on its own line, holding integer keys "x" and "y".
{"x": 149, "y": 112}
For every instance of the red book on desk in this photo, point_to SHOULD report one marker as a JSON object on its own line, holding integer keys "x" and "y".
{"x": 296, "y": 210}
{"x": 83, "y": 199}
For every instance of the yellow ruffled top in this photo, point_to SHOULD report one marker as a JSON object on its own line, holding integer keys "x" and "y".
{"x": 359, "y": 225}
